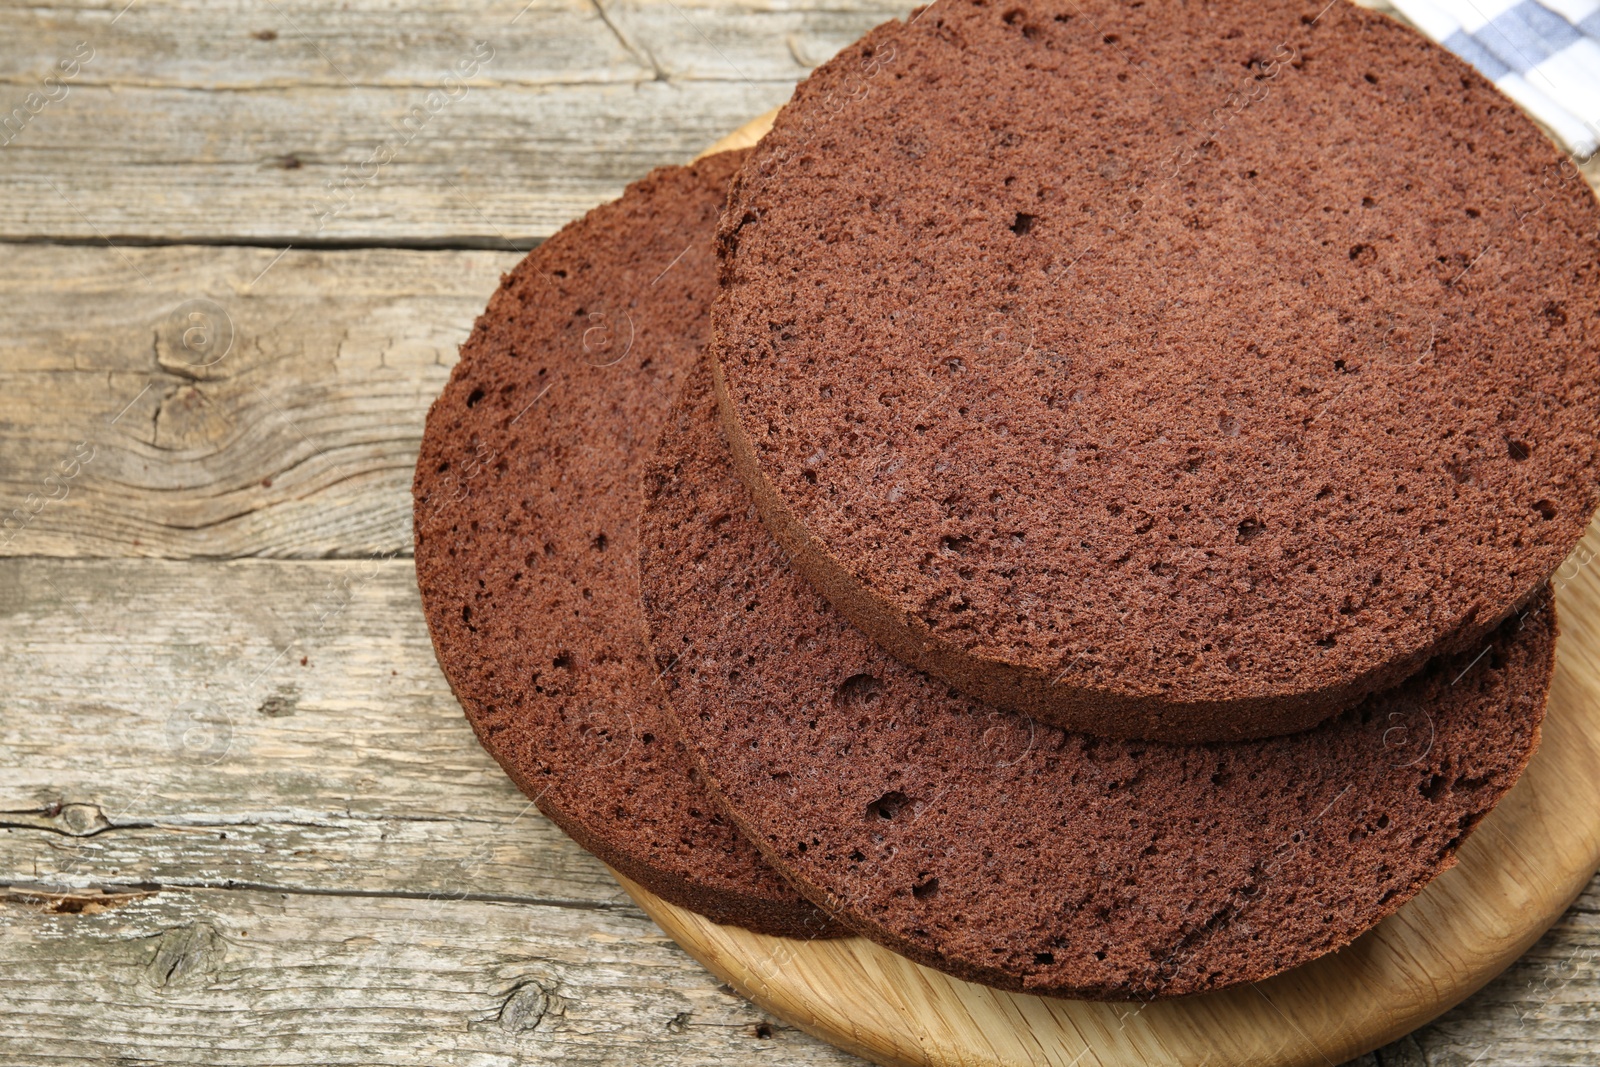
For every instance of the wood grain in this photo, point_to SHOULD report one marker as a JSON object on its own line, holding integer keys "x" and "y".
{"x": 236, "y": 44}
{"x": 186, "y": 126}
{"x": 271, "y": 978}
{"x": 159, "y": 728}
{"x": 298, "y": 441}
{"x": 1517, "y": 875}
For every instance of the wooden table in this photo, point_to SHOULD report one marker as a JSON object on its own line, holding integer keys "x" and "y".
{"x": 244, "y": 820}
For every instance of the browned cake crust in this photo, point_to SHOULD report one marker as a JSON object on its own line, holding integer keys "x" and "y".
{"x": 1178, "y": 370}
{"x": 526, "y": 504}
{"x": 1017, "y": 855}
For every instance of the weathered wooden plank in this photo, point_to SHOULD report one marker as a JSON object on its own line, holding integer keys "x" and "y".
{"x": 499, "y": 164}
{"x": 231, "y": 44}
{"x": 291, "y": 429}
{"x": 344, "y": 127}
{"x": 274, "y": 979}
{"x": 159, "y": 727}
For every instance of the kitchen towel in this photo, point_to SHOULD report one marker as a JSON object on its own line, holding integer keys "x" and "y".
{"x": 1545, "y": 56}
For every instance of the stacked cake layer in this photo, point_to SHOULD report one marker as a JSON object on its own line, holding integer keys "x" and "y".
{"x": 1073, "y": 504}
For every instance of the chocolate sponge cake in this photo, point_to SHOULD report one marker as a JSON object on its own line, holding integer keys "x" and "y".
{"x": 1018, "y": 855}
{"x": 526, "y": 503}
{"x": 1170, "y": 370}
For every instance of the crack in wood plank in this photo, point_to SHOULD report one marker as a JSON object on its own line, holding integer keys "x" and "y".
{"x": 120, "y": 892}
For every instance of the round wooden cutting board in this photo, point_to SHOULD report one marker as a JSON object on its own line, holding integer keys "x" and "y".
{"x": 1516, "y": 875}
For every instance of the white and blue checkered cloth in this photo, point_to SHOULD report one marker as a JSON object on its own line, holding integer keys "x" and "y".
{"x": 1545, "y": 55}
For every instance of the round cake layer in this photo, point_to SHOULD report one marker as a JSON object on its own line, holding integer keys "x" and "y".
{"x": 1015, "y": 854}
{"x": 526, "y": 505}
{"x": 1171, "y": 370}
